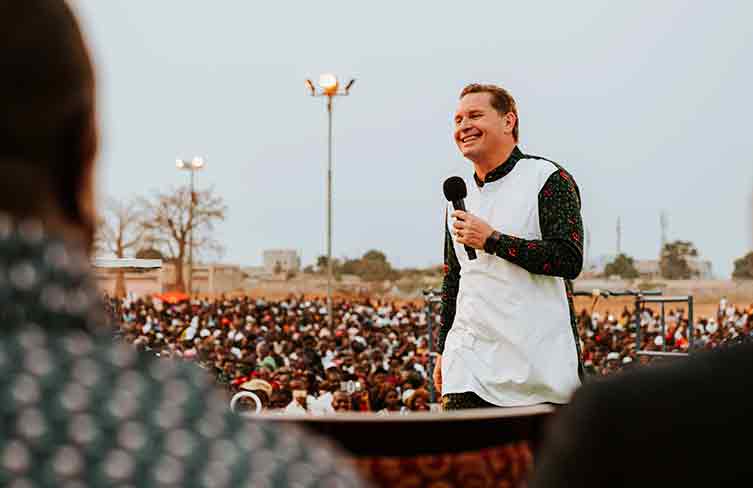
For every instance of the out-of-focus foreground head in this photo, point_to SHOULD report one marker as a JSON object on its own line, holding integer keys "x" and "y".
{"x": 48, "y": 137}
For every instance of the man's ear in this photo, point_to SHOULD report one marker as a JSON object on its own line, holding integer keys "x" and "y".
{"x": 510, "y": 120}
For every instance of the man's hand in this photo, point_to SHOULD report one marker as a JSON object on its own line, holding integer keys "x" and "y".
{"x": 470, "y": 230}
{"x": 437, "y": 376}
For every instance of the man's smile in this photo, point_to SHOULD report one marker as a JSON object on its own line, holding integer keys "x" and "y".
{"x": 470, "y": 137}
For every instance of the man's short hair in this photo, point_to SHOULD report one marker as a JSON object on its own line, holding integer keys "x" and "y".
{"x": 501, "y": 100}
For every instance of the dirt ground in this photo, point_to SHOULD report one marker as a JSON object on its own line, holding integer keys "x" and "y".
{"x": 702, "y": 307}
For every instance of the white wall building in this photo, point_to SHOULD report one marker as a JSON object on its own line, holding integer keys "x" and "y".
{"x": 285, "y": 259}
{"x": 209, "y": 279}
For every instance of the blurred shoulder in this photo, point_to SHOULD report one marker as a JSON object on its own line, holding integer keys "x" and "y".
{"x": 113, "y": 408}
{"x": 704, "y": 377}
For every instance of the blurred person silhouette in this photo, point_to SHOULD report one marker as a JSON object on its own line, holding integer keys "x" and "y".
{"x": 680, "y": 423}
{"x": 78, "y": 408}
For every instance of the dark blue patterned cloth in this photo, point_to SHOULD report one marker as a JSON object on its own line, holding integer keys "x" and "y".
{"x": 79, "y": 409}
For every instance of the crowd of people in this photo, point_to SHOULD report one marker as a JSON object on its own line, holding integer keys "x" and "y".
{"x": 375, "y": 356}
{"x": 609, "y": 343}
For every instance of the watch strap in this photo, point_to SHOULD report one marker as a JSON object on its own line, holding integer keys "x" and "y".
{"x": 492, "y": 243}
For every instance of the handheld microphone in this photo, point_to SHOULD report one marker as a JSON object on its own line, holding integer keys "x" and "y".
{"x": 455, "y": 191}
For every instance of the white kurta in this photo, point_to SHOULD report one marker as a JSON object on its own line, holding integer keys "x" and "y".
{"x": 511, "y": 342}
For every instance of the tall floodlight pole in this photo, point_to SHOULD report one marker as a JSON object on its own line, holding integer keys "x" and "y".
{"x": 192, "y": 166}
{"x": 329, "y": 87}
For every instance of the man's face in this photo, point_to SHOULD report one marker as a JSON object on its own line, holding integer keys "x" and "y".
{"x": 341, "y": 402}
{"x": 479, "y": 129}
{"x": 278, "y": 400}
{"x": 333, "y": 375}
{"x": 392, "y": 398}
{"x": 300, "y": 397}
{"x": 420, "y": 405}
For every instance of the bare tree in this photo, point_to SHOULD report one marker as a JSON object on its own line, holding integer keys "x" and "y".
{"x": 167, "y": 218}
{"x": 120, "y": 229}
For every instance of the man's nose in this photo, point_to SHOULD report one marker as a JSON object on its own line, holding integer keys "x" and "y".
{"x": 463, "y": 125}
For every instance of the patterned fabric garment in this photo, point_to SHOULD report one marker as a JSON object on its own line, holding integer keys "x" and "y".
{"x": 78, "y": 409}
{"x": 461, "y": 401}
{"x": 502, "y": 466}
{"x": 558, "y": 253}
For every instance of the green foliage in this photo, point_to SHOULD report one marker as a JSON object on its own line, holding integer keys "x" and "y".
{"x": 744, "y": 267}
{"x": 622, "y": 266}
{"x": 321, "y": 265}
{"x": 674, "y": 260}
{"x": 373, "y": 266}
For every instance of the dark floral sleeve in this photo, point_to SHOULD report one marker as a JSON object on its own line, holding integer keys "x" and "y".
{"x": 450, "y": 287}
{"x": 560, "y": 251}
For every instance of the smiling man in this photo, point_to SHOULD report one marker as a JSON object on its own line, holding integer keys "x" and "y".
{"x": 508, "y": 335}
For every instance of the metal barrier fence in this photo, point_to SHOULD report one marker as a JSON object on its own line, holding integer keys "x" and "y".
{"x": 642, "y": 297}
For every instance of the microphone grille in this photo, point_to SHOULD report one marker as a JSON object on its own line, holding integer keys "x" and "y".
{"x": 454, "y": 188}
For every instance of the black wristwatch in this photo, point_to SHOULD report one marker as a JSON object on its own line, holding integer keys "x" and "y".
{"x": 492, "y": 243}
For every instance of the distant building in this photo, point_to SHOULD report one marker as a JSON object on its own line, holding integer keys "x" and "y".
{"x": 217, "y": 278}
{"x": 284, "y": 260}
{"x": 209, "y": 279}
{"x": 255, "y": 271}
{"x": 137, "y": 283}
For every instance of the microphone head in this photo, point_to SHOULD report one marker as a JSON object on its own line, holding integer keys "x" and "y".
{"x": 455, "y": 189}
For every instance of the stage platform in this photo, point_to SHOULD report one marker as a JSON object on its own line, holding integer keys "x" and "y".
{"x": 482, "y": 447}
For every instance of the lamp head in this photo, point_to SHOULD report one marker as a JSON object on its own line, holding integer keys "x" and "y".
{"x": 197, "y": 162}
{"x": 328, "y": 83}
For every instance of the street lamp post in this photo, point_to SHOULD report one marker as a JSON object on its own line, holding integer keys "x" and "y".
{"x": 330, "y": 88}
{"x": 192, "y": 166}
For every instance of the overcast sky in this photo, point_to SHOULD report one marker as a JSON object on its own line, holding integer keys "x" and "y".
{"x": 646, "y": 103}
